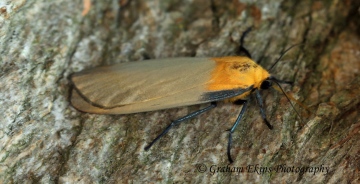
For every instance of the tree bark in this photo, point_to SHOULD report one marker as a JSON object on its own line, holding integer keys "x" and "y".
{"x": 44, "y": 139}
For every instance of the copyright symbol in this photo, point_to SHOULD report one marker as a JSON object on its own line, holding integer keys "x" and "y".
{"x": 201, "y": 167}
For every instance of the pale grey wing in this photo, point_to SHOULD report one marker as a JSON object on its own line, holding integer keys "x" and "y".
{"x": 83, "y": 104}
{"x": 142, "y": 86}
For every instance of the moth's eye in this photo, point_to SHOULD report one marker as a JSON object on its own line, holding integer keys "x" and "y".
{"x": 266, "y": 84}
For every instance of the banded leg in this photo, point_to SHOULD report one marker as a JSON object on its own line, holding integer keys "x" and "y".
{"x": 262, "y": 111}
{"x": 178, "y": 121}
{"x": 232, "y": 129}
{"x": 241, "y": 48}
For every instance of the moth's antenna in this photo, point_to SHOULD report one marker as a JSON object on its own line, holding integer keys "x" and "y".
{"x": 277, "y": 82}
{"x": 283, "y": 53}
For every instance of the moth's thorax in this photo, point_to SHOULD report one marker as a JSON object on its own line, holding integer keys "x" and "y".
{"x": 236, "y": 72}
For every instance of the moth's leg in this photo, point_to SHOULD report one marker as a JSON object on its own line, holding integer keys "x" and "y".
{"x": 178, "y": 121}
{"x": 232, "y": 129}
{"x": 262, "y": 111}
{"x": 242, "y": 50}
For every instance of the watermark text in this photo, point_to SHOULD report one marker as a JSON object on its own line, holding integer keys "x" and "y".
{"x": 258, "y": 169}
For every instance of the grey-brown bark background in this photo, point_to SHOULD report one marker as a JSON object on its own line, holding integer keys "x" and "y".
{"x": 44, "y": 139}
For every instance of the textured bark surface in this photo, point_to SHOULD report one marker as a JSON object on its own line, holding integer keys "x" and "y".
{"x": 44, "y": 139}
